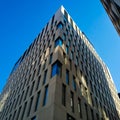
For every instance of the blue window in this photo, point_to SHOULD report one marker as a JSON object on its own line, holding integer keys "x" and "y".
{"x": 74, "y": 83}
{"x": 76, "y": 60}
{"x": 58, "y": 42}
{"x": 65, "y": 19}
{"x": 67, "y": 49}
{"x": 56, "y": 69}
{"x": 60, "y": 25}
{"x": 67, "y": 76}
{"x": 45, "y": 96}
{"x": 65, "y": 15}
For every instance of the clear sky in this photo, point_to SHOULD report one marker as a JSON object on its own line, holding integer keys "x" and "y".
{"x": 22, "y": 20}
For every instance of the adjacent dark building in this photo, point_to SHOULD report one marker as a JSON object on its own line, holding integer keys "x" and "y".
{"x": 112, "y": 8}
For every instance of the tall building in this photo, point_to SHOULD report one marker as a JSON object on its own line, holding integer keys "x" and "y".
{"x": 112, "y": 8}
{"x": 60, "y": 77}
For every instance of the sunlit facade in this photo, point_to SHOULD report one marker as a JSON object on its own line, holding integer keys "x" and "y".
{"x": 112, "y": 8}
{"x": 60, "y": 77}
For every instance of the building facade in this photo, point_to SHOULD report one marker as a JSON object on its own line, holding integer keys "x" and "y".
{"x": 60, "y": 77}
{"x": 112, "y": 8}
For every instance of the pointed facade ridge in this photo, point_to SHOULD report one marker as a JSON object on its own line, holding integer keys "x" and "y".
{"x": 79, "y": 32}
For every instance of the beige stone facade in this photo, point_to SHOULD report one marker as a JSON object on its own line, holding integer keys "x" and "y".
{"x": 60, "y": 77}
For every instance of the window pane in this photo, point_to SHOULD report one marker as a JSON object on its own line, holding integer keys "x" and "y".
{"x": 37, "y": 101}
{"x": 74, "y": 83}
{"x": 34, "y": 118}
{"x": 30, "y": 106}
{"x": 38, "y": 83}
{"x": 69, "y": 117}
{"x": 67, "y": 50}
{"x": 45, "y": 96}
{"x": 65, "y": 15}
{"x": 45, "y": 76}
{"x": 69, "y": 43}
{"x": 64, "y": 37}
{"x": 79, "y": 107}
{"x": 97, "y": 116}
{"x": 44, "y": 65}
{"x": 32, "y": 87}
{"x": 76, "y": 60}
{"x": 21, "y": 98}
{"x": 72, "y": 101}
{"x": 10, "y": 117}
{"x": 56, "y": 69}
{"x": 67, "y": 76}
{"x": 72, "y": 55}
{"x": 14, "y": 115}
{"x": 86, "y": 110}
{"x": 63, "y": 94}
{"x": 92, "y": 114}
{"x": 50, "y": 59}
{"x": 39, "y": 70}
{"x": 18, "y": 112}
{"x": 25, "y": 105}
{"x": 60, "y": 26}
{"x": 58, "y": 42}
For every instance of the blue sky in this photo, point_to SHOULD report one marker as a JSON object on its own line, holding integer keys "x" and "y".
{"x": 22, "y": 20}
